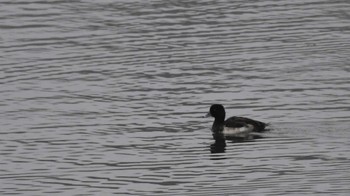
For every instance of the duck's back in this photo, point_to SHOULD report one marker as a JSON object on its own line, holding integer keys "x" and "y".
{"x": 236, "y": 121}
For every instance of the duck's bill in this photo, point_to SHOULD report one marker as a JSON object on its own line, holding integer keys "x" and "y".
{"x": 207, "y": 115}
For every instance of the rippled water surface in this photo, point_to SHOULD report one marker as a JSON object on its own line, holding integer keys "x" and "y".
{"x": 106, "y": 97}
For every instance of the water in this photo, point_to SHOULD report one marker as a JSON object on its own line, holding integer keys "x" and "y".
{"x": 106, "y": 98}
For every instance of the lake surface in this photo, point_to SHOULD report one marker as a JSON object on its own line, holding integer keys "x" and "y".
{"x": 107, "y": 97}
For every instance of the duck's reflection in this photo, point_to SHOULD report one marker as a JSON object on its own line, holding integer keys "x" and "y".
{"x": 219, "y": 146}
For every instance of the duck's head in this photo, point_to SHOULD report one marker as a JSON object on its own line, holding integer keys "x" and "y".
{"x": 216, "y": 111}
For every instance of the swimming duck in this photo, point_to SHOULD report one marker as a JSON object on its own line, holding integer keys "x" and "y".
{"x": 234, "y": 126}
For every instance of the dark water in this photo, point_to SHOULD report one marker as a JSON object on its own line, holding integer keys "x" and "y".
{"x": 106, "y": 97}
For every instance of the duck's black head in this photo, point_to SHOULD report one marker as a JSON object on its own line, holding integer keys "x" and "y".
{"x": 217, "y": 111}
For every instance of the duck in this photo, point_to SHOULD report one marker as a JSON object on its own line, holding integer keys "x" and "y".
{"x": 237, "y": 127}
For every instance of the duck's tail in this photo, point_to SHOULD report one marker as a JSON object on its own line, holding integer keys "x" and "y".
{"x": 268, "y": 127}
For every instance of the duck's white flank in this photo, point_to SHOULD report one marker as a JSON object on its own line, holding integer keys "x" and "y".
{"x": 238, "y": 132}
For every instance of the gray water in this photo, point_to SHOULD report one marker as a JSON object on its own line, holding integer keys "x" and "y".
{"x": 106, "y": 97}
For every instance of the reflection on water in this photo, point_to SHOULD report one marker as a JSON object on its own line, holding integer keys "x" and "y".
{"x": 105, "y": 98}
{"x": 219, "y": 146}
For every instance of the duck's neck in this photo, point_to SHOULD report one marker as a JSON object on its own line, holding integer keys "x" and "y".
{"x": 218, "y": 124}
